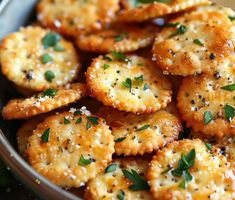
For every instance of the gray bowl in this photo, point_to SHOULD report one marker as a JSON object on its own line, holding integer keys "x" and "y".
{"x": 14, "y": 14}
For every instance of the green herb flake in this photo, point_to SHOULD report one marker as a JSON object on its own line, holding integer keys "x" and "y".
{"x": 139, "y": 183}
{"x": 88, "y": 125}
{"x": 46, "y": 135}
{"x": 50, "y": 40}
{"x": 207, "y": 117}
{"x": 77, "y": 112}
{"x": 166, "y": 170}
{"x": 121, "y": 195}
{"x": 106, "y": 66}
{"x": 170, "y": 24}
{"x": 119, "y": 139}
{"x": 50, "y": 92}
{"x": 83, "y": 161}
{"x": 46, "y": 58}
{"x": 198, "y": 42}
{"x": 181, "y": 29}
{"x": 79, "y": 120}
{"x": 229, "y": 87}
{"x": 58, "y": 48}
{"x": 111, "y": 168}
{"x": 184, "y": 134}
{"x": 229, "y": 112}
{"x": 208, "y": 146}
{"x": 127, "y": 83}
{"x": 49, "y": 75}
{"x": 146, "y": 87}
{"x": 232, "y": 18}
{"x": 183, "y": 184}
{"x": 184, "y": 164}
{"x": 120, "y": 56}
{"x": 107, "y": 58}
{"x": 66, "y": 121}
{"x": 118, "y": 38}
{"x": 93, "y": 120}
{"x": 143, "y": 127}
{"x": 139, "y": 79}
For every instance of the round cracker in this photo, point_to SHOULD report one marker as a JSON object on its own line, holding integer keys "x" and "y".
{"x": 42, "y": 103}
{"x": 120, "y": 38}
{"x": 139, "y": 134}
{"x": 25, "y": 131}
{"x": 202, "y": 102}
{"x": 109, "y": 79}
{"x": 110, "y": 185}
{"x": 21, "y": 57}
{"x": 200, "y": 41}
{"x": 138, "y": 12}
{"x": 78, "y": 17}
{"x": 212, "y": 176}
{"x": 70, "y": 149}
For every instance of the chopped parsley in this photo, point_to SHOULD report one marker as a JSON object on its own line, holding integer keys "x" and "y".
{"x": 166, "y": 170}
{"x": 181, "y": 29}
{"x": 143, "y": 127}
{"x": 170, "y": 24}
{"x": 127, "y": 83}
{"x": 118, "y": 38}
{"x": 106, "y": 66}
{"x": 88, "y": 125}
{"x": 66, "y": 121}
{"x": 140, "y": 78}
{"x": 79, "y": 120}
{"x": 139, "y": 183}
{"x": 50, "y": 92}
{"x": 49, "y": 75}
{"x": 198, "y": 42}
{"x": 207, "y": 117}
{"x": 120, "y": 56}
{"x": 46, "y": 58}
{"x": 83, "y": 161}
{"x": 93, "y": 120}
{"x": 146, "y": 87}
{"x": 119, "y": 139}
{"x": 229, "y": 87}
{"x": 77, "y": 112}
{"x": 229, "y": 112}
{"x": 46, "y": 135}
{"x": 232, "y": 18}
{"x": 58, "y": 48}
{"x": 184, "y": 164}
{"x": 184, "y": 134}
{"x": 50, "y": 40}
{"x": 208, "y": 146}
{"x": 111, "y": 168}
{"x": 121, "y": 195}
{"x": 107, "y": 58}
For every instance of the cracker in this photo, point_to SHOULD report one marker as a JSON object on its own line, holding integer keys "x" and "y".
{"x": 212, "y": 175}
{"x": 196, "y": 42}
{"x": 202, "y": 102}
{"x": 120, "y": 38}
{"x": 78, "y": 17}
{"x": 70, "y": 148}
{"x": 139, "y": 134}
{"x": 37, "y": 59}
{"x": 112, "y": 184}
{"x": 43, "y": 102}
{"x": 138, "y": 12}
{"x": 128, "y": 83}
{"x": 25, "y": 131}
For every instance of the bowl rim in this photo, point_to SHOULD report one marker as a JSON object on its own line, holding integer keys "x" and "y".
{"x": 36, "y": 183}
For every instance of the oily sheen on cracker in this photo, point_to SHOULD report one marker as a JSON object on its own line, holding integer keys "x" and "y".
{"x": 120, "y": 38}
{"x": 79, "y": 17}
{"x": 139, "y": 134}
{"x": 208, "y": 175}
{"x": 112, "y": 183}
{"x": 44, "y": 102}
{"x": 37, "y": 59}
{"x": 70, "y": 148}
{"x": 195, "y": 42}
{"x": 128, "y": 83}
